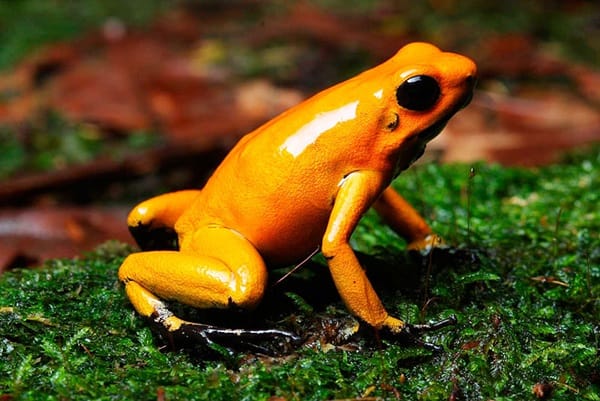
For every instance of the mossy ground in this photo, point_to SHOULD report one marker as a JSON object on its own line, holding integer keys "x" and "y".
{"x": 522, "y": 276}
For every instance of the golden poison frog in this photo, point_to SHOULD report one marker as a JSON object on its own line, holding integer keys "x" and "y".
{"x": 300, "y": 182}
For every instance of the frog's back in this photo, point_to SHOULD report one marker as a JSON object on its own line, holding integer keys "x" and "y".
{"x": 278, "y": 184}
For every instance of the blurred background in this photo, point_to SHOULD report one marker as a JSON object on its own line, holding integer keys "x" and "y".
{"x": 104, "y": 103}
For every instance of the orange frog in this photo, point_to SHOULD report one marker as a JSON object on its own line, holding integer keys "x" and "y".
{"x": 298, "y": 183}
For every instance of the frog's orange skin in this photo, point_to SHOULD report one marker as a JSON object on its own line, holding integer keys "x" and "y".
{"x": 301, "y": 181}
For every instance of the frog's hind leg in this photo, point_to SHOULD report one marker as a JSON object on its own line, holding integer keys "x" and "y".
{"x": 219, "y": 270}
{"x": 152, "y": 221}
{"x": 406, "y": 221}
{"x": 181, "y": 331}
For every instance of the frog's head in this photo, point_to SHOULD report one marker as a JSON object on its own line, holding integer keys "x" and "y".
{"x": 421, "y": 89}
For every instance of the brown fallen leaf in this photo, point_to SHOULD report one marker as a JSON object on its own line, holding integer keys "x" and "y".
{"x": 28, "y": 237}
{"x": 195, "y": 111}
{"x": 516, "y": 54}
{"x": 305, "y": 20}
{"x": 99, "y": 93}
{"x": 530, "y": 128}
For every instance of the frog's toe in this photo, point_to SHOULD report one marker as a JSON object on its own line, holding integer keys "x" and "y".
{"x": 422, "y": 328}
{"x": 411, "y": 332}
{"x": 427, "y": 244}
{"x": 268, "y": 341}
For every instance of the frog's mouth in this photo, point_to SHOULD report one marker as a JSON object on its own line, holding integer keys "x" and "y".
{"x": 434, "y": 130}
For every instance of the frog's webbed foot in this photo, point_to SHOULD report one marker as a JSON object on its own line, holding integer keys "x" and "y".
{"x": 411, "y": 332}
{"x": 228, "y": 340}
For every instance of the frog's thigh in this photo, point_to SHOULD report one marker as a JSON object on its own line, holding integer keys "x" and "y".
{"x": 237, "y": 275}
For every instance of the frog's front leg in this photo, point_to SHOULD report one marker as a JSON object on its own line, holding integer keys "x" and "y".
{"x": 356, "y": 193}
{"x": 219, "y": 269}
{"x": 152, "y": 221}
{"x": 406, "y": 221}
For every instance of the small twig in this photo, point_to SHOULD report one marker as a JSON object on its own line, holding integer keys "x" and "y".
{"x": 549, "y": 280}
{"x": 299, "y": 265}
{"x": 472, "y": 174}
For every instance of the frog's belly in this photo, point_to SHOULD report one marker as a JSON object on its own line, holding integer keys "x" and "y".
{"x": 282, "y": 208}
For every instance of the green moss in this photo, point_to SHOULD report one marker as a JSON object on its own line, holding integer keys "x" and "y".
{"x": 522, "y": 276}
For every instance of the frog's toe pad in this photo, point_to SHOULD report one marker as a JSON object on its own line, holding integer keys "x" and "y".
{"x": 425, "y": 245}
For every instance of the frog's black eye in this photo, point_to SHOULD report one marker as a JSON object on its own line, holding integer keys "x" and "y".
{"x": 418, "y": 93}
